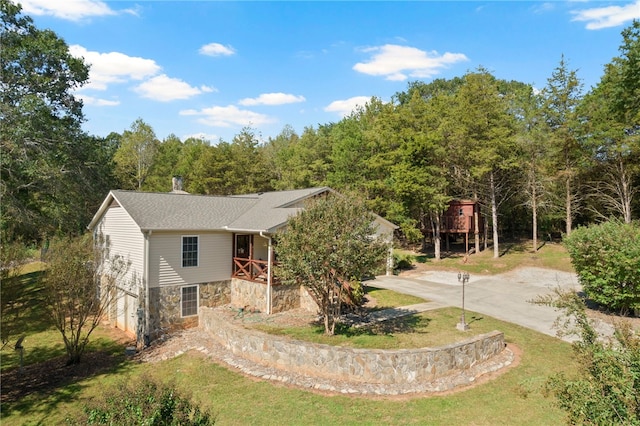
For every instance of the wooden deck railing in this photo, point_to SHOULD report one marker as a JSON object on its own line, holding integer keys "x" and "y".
{"x": 250, "y": 269}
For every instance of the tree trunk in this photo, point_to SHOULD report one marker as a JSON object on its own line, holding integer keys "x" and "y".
{"x": 485, "y": 234}
{"x": 476, "y": 223}
{"x": 568, "y": 205}
{"x": 494, "y": 217}
{"x": 626, "y": 191}
{"x": 534, "y": 210}
{"x": 435, "y": 226}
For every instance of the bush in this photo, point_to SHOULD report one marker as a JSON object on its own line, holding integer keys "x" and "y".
{"x": 143, "y": 402}
{"x": 606, "y": 388}
{"x": 402, "y": 261}
{"x": 606, "y": 258}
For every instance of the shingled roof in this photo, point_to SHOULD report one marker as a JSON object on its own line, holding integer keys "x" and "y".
{"x": 154, "y": 211}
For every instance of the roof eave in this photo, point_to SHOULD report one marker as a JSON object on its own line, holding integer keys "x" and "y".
{"x": 251, "y": 231}
{"x": 103, "y": 207}
{"x": 319, "y": 191}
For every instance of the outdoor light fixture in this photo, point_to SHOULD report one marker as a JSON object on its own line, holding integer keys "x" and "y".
{"x": 463, "y": 277}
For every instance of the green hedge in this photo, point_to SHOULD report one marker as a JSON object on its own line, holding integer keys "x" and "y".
{"x": 606, "y": 258}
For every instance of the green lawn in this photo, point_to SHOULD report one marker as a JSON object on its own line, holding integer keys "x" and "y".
{"x": 390, "y": 299}
{"x": 514, "y": 397}
{"x": 426, "y": 329}
{"x": 512, "y": 255}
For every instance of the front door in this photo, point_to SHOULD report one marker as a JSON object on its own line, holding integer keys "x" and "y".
{"x": 243, "y": 246}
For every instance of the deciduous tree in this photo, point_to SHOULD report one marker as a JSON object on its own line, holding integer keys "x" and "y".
{"x": 40, "y": 136}
{"x": 79, "y": 284}
{"x": 610, "y": 119}
{"x": 136, "y": 154}
{"x": 327, "y": 247}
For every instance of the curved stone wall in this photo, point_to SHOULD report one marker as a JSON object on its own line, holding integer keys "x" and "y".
{"x": 348, "y": 364}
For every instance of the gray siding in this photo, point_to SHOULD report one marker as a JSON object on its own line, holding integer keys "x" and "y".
{"x": 165, "y": 259}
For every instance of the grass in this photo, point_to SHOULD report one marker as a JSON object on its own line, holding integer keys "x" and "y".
{"x": 391, "y": 299}
{"x": 514, "y": 397}
{"x": 513, "y": 255}
{"x": 426, "y": 329}
{"x": 26, "y": 317}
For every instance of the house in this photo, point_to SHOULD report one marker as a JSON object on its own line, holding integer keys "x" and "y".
{"x": 186, "y": 251}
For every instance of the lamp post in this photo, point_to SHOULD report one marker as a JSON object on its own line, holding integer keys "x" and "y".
{"x": 463, "y": 278}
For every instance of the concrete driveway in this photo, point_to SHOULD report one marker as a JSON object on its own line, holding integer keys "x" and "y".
{"x": 506, "y": 296}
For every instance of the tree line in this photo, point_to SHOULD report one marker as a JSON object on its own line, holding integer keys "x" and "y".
{"x": 539, "y": 162}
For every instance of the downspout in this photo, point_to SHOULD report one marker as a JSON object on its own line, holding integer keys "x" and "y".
{"x": 269, "y": 260}
{"x": 145, "y": 280}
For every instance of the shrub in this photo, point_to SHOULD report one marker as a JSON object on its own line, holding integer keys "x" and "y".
{"x": 606, "y": 258}
{"x": 402, "y": 261}
{"x": 606, "y": 389}
{"x": 143, "y": 402}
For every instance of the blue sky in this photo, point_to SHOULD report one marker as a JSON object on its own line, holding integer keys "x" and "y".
{"x": 209, "y": 68}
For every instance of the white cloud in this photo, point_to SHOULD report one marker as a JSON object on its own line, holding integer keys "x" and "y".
{"x": 397, "y": 62}
{"x": 228, "y": 116}
{"x": 606, "y": 17}
{"x": 72, "y": 10}
{"x": 272, "y": 99}
{"x": 90, "y": 100}
{"x": 208, "y": 137}
{"x": 543, "y": 7}
{"x": 346, "y": 106}
{"x": 164, "y": 89}
{"x": 113, "y": 67}
{"x": 217, "y": 49}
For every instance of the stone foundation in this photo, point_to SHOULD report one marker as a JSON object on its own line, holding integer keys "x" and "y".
{"x": 164, "y": 306}
{"x": 164, "y": 302}
{"x": 348, "y": 364}
{"x": 248, "y": 295}
{"x": 253, "y": 296}
{"x": 285, "y": 298}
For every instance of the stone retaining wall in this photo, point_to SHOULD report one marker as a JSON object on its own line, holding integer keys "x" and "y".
{"x": 348, "y": 364}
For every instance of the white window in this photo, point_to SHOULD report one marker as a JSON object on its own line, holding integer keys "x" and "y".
{"x": 189, "y": 251}
{"x": 189, "y": 301}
